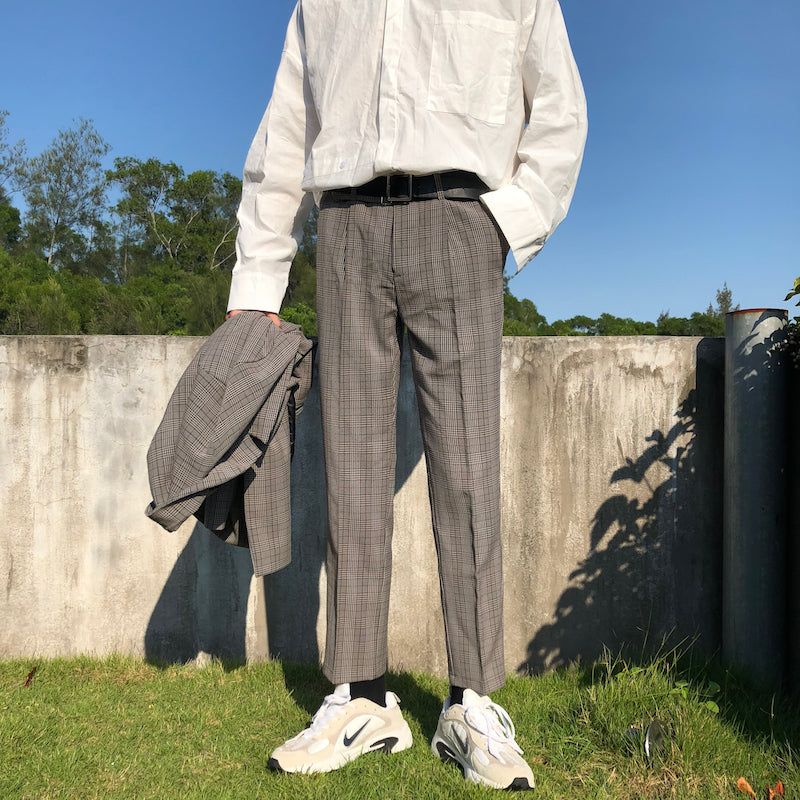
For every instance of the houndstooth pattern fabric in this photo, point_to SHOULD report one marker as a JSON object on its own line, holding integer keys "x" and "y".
{"x": 435, "y": 266}
{"x": 228, "y": 408}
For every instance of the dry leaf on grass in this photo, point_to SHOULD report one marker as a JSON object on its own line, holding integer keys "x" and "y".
{"x": 773, "y": 794}
{"x": 745, "y": 788}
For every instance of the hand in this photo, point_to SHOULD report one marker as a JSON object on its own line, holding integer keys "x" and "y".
{"x": 270, "y": 314}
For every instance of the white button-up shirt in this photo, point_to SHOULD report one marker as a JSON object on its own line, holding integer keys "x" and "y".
{"x": 369, "y": 87}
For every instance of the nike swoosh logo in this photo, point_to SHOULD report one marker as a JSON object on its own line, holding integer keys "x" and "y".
{"x": 348, "y": 740}
{"x": 462, "y": 743}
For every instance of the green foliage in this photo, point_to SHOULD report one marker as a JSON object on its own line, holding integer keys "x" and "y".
{"x": 604, "y": 325}
{"x": 795, "y": 291}
{"x": 44, "y": 309}
{"x": 707, "y": 325}
{"x": 208, "y": 299}
{"x": 520, "y": 317}
{"x": 792, "y": 344}
{"x": 696, "y": 325}
{"x": 302, "y": 315}
{"x": 158, "y": 261}
{"x": 724, "y": 303}
{"x": 10, "y": 227}
{"x": 165, "y": 215}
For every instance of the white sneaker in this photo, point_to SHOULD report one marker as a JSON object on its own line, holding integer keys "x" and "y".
{"x": 478, "y": 736}
{"x": 342, "y": 730}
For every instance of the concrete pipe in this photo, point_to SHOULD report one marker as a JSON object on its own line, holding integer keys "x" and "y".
{"x": 755, "y": 507}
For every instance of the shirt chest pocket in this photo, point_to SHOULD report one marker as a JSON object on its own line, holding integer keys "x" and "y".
{"x": 472, "y": 65}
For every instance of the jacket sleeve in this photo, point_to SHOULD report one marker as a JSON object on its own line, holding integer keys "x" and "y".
{"x": 550, "y": 150}
{"x": 274, "y": 207}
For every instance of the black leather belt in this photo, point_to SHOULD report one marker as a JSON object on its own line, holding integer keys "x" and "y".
{"x": 402, "y": 188}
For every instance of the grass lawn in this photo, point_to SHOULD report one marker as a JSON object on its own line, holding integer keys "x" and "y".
{"x": 123, "y": 728}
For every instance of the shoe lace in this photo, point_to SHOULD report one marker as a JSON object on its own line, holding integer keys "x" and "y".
{"x": 332, "y": 707}
{"x": 493, "y": 722}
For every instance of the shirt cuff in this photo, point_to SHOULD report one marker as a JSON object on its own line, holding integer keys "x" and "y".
{"x": 256, "y": 291}
{"x": 520, "y": 221}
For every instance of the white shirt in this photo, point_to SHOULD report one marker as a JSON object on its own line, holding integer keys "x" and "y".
{"x": 369, "y": 87}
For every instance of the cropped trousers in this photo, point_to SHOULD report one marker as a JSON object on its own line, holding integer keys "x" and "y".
{"x": 434, "y": 268}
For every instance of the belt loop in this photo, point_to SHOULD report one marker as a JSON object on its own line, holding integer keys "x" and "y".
{"x": 437, "y": 182}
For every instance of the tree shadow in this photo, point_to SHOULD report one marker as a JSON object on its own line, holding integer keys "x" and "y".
{"x": 659, "y": 535}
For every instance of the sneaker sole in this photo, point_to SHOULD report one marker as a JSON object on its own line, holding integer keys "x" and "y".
{"x": 387, "y": 744}
{"x": 448, "y": 756}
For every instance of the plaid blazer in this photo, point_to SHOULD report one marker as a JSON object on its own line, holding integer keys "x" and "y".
{"x": 223, "y": 449}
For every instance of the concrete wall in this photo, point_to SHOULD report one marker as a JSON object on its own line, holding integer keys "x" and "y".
{"x": 612, "y": 497}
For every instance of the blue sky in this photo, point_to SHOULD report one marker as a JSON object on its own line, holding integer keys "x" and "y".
{"x": 691, "y": 176}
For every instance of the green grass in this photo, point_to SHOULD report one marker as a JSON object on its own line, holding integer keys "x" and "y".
{"x": 123, "y": 728}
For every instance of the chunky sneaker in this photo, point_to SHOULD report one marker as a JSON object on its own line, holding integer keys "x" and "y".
{"x": 342, "y": 730}
{"x": 478, "y": 736}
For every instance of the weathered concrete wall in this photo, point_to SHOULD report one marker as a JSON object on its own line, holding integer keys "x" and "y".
{"x": 611, "y": 457}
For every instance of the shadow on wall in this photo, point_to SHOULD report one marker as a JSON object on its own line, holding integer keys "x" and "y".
{"x": 204, "y": 604}
{"x": 628, "y": 594}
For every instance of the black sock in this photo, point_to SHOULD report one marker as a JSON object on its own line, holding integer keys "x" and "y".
{"x": 374, "y": 690}
{"x": 456, "y": 695}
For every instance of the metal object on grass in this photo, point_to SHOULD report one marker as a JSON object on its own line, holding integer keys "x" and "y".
{"x": 654, "y": 740}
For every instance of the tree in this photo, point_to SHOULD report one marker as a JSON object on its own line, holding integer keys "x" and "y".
{"x": 143, "y": 209}
{"x": 707, "y": 324}
{"x": 302, "y": 315}
{"x": 609, "y": 325}
{"x": 164, "y": 214}
{"x": 672, "y": 326}
{"x": 12, "y": 158}
{"x": 12, "y": 162}
{"x": 582, "y": 325}
{"x": 208, "y": 294}
{"x": 31, "y": 299}
{"x": 10, "y": 228}
{"x": 94, "y": 253}
{"x": 696, "y": 325}
{"x": 65, "y": 186}
{"x": 203, "y": 204}
{"x": 520, "y": 317}
{"x": 724, "y": 303}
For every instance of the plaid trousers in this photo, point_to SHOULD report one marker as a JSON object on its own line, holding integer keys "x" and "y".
{"x": 435, "y": 267}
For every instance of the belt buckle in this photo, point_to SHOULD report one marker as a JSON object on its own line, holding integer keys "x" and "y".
{"x": 399, "y": 189}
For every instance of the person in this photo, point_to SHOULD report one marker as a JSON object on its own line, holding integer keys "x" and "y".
{"x": 435, "y": 135}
